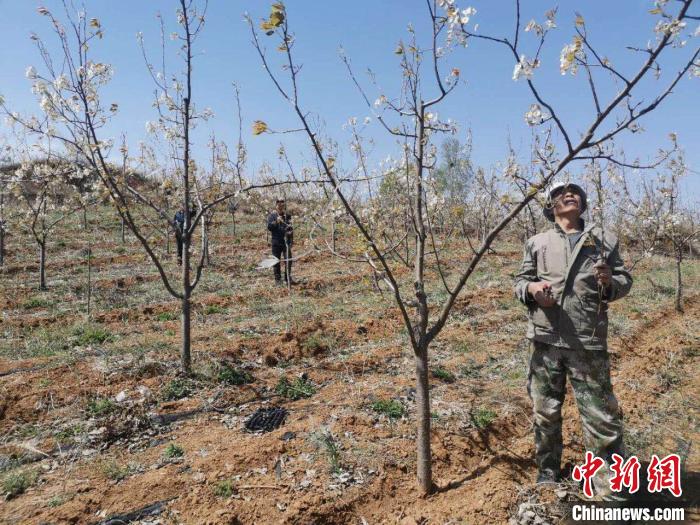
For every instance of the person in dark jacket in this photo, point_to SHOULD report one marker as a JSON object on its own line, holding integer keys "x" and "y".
{"x": 279, "y": 224}
{"x": 179, "y": 220}
{"x": 179, "y": 227}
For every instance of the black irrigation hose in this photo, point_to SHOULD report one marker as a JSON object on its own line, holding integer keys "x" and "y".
{"x": 266, "y": 419}
{"x": 149, "y": 510}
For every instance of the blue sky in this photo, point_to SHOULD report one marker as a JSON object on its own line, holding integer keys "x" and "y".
{"x": 489, "y": 101}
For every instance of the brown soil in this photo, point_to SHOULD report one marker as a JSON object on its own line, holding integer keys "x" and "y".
{"x": 228, "y": 475}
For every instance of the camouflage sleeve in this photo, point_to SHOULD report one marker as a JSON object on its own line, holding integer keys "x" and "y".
{"x": 622, "y": 280}
{"x": 526, "y": 275}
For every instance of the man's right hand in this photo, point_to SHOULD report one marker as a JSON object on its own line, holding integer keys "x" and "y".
{"x": 280, "y": 219}
{"x": 542, "y": 293}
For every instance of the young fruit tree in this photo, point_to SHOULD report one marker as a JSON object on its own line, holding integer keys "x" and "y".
{"x": 675, "y": 222}
{"x": 75, "y": 115}
{"x": 46, "y": 192}
{"x": 411, "y": 118}
{"x": 5, "y": 159}
{"x": 656, "y": 217}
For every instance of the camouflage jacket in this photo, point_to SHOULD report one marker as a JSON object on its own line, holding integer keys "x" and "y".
{"x": 579, "y": 318}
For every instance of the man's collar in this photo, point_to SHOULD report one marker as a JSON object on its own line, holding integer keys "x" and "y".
{"x": 561, "y": 231}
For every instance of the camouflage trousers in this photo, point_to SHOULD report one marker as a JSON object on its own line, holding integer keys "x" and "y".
{"x": 589, "y": 373}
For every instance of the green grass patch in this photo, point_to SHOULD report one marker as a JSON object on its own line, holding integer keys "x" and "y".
{"x": 173, "y": 451}
{"x": 16, "y": 483}
{"x": 231, "y": 375}
{"x": 224, "y": 489}
{"x": 517, "y": 374}
{"x": 100, "y": 406}
{"x": 298, "y": 388}
{"x": 482, "y": 417}
{"x": 327, "y": 443}
{"x": 91, "y": 334}
{"x": 36, "y": 302}
{"x": 112, "y": 470}
{"x": 40, "y": 342}
{"x": 443, "y": 375}
{"x": 390, "y": 408}
{"x": 317, "y": 343}
{"x": 176, "y": 389}
{"x": 58, "y": 500}
{"x": 28, "y": 430}
{"x": 471, "y": 370}
{"x": 167, "y": 316}
{"x": 69, "y": 433}
{"x": 211, "y": 309}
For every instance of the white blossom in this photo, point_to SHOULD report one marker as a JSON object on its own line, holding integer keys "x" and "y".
{"x": 534, "y": 115}
{"x": 533, "y": 26}
{"x": 30, "y": 72}
{"x": 669, "y": 28}
{"x": 60, "y": 82}
{"x": 524, "y": 68}
{"x": 45, "y": 104}
{"x": 467, "y": 14}
{"x": 569, "y": 54}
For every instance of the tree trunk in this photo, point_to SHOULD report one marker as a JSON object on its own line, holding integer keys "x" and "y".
{"x": 185, "y": 356}
{"x": 679, "y": 282}
{"x": 89, "y": 279}
{"x": 2, "y": 229}
{"x": 233, "y": 218}
{"x": 2, "y": 243}
{"x": 334, "y": 234}
{"x": 205, "y": 242}
{"x": 123, "y": 231}
{"x": 424, "y": 465}
{"x": 42, "y": 265}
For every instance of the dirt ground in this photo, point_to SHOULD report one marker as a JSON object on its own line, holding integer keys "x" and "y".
{"x": 96, "y": 423}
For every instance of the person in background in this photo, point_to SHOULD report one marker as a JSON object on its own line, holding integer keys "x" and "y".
{"x": 279, "y": 224}
{"x": 179, "y": 221}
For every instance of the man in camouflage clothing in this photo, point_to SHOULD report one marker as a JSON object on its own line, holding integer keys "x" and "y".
{"x": 568, "y": 276}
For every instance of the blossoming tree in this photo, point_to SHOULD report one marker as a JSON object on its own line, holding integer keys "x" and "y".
{"x": 47, "y": 193}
